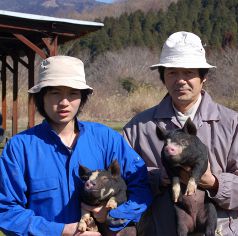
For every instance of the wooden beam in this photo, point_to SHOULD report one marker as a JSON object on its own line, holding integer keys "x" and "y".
{"x": 52, "y": 45}
{"x": 14, "y": 28}
{"x": 45, "y": 30}
{"x": 31, "y": 45}
{"x": 24, "y": 63}
{"x": 9, "y": 67}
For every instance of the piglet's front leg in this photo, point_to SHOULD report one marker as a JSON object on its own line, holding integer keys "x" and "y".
{"x": 197, "y": 171}
{"x": 87, "y": 222}
{"x": 191, "y": 187}
{"x": 176, "y": 188}
{"x": 112, "y": 203}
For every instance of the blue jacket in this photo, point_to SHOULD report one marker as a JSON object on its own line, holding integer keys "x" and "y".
{"x": 39, "y": 182}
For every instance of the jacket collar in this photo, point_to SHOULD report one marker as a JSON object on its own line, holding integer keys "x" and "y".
{"x": 208, "y": 109}
{"x": 164, "y": 109}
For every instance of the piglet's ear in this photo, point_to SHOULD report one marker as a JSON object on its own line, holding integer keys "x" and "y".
{"x": 83, "y": 171}
{"x": 114, "y": 168}
{"x": 189, "y": 127}
{"x": 161, "y": 132}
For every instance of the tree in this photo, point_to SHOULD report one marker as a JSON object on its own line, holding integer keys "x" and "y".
{"x": 122, "y": 30}
{"x": 149, "y": 33}
{"x": 136, "y": 34}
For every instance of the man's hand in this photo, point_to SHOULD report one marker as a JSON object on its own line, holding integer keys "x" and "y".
{"x": 208, "y": 180}
{"x": 98, "y": 212}
{"x": 72, "y": 230}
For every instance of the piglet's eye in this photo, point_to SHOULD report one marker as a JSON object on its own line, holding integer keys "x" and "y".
{"x": 184, "y": 142}
{"x": 104, "y": 178}
{"x": 84, "y": 179}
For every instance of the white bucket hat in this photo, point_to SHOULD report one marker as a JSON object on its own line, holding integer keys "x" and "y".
{"x": 183, "y": 50}
{"x": 61, "y": 71}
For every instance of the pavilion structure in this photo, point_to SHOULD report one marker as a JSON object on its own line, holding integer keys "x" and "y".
{"x": 22, "y": 37}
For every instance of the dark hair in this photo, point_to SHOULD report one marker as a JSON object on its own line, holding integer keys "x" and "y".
{"x": 39, "y": 100}
{"x": 202, "y": 72}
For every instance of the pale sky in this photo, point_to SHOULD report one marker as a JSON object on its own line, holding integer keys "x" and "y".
{"x": 107, "y": 1}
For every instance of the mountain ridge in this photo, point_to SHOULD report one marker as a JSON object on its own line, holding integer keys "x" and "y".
{"x": 82, "y": 9}
{"x": 50, "y": 7}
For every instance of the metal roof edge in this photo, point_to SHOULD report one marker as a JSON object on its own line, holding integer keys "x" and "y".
{"x": 49, "y": 18}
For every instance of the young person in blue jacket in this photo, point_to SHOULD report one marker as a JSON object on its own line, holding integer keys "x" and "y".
{"x": 39, "y": 182}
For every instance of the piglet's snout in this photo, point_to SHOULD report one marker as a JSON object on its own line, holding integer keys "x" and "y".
{"x": 172, "y": 149}
{"x": 89, "y": 184}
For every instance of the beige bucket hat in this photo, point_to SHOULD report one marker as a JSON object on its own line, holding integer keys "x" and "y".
{"x": 183, "y": 50}
{"x": 61, "y": 71}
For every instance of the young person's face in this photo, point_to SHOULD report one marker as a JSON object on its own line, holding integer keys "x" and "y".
{"x": 183, "y": 85}
{"x": 61, "y": 104}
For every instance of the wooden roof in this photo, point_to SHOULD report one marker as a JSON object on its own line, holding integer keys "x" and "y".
{"x": 34, "y": 28}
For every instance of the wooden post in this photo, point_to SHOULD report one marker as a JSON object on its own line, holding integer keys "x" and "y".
{"x": 31, "y": 106}
{"x": 4, "y": 88}
{"x": 15, "y": 96}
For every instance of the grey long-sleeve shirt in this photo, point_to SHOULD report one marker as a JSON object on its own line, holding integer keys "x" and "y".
{"x": 217, "y": 127}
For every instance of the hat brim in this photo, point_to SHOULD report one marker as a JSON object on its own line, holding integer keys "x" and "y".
{"x": 72, "y": 83}
{"x": 187, "y": 66}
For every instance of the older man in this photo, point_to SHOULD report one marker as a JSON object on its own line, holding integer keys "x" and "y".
{"x": 183, "y": 69}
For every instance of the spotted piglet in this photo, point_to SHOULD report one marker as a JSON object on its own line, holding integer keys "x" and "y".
{"x": 183, "y": 150}
{"x": 101, "y": 187}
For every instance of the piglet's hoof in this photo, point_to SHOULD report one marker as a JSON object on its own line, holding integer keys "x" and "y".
{"x": 176, "y": 189}
{"x": 191, "y": 187}
{"x": 175, "y": 196}
{"x": 91, "y": 225}
{"x": 82, "y": 226}
{"x": 111, "y": 204}
{"x": 87, "y": 224}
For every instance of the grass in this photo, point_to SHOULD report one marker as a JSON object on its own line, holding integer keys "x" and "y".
{"x": 116, "y": 125}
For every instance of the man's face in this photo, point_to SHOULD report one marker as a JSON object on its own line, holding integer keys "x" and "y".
{"x": 183, "y": 85}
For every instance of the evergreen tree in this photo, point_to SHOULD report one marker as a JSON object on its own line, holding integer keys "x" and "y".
{"x": 149, "y": 33}
{"x": 171, "y": 19}
{"x": 136, "y": 34}
{"x": 100, "y": 42}
{"x": 205, "y": 25}
{"x": 162, "y": 27}
{"x": 123, "y": 29}
{"x": 115, "y": 35}
{"x": 183, "y": 23}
